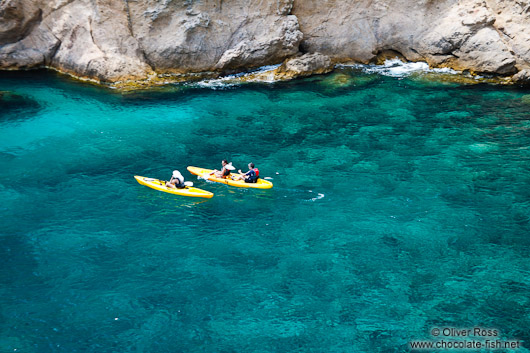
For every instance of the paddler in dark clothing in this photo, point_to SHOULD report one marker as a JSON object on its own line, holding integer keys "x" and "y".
{"x": 251, "y": 176}
{"x": 224, "y": 173}
{"x": 176, "y": 181}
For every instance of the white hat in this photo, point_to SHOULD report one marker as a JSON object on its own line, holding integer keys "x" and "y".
{"x": 229, "y": 166}
{"x": 177, "y": 175}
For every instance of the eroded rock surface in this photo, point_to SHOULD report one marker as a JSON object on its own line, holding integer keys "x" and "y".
{"x": 480, "y": 36}
{"x": 118, "y": 40}
{"x": 305, "y": 65}
{"x": 113, "y": 41}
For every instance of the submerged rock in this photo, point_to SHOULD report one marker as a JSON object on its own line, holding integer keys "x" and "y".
{"x": 13, "y": 104}
{"x": 526, "y": 99}
{"x": 337, "y": 80}
{"x": 7, "y": 97}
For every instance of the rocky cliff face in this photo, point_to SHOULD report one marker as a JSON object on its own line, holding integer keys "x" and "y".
{"x": 482, "y": 36}
{"x": 115, "y": 40}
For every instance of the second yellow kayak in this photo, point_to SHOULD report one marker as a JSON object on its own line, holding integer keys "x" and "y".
{"x": 205, "y": 174}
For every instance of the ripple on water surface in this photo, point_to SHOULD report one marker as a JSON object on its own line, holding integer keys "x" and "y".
{"x": 398, "y": 205}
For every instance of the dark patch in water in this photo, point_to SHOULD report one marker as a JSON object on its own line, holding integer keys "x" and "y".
{"x": 15, "y": 107}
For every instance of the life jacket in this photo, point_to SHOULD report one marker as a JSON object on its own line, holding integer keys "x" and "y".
{"x": 254, "y": 177}
{"x": 179, "y": 183}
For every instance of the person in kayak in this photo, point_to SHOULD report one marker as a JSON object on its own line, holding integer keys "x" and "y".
{"x": 225, "y": 171}
{"x": 176, "y": 181}
{"x": 251, "y": 176}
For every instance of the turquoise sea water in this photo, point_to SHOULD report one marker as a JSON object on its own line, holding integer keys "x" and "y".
{"x": 399, "y": 204}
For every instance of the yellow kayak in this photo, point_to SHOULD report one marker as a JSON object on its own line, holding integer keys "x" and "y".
{"x": 205, "y": 174}
{"x": 160, "y": 185}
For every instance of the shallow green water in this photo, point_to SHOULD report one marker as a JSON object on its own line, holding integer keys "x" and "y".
{"x": 399, "y": 204}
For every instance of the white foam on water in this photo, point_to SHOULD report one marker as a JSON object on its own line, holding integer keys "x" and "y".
{"x": 318, "y": 197}
{"x": 265, "y": 74}
{"x": 218, "y": 83}
{"x": 205, "y": 178}
{"x": 398, "y": 68}
{"x": 237, "y": 79}
{"x": 267, "y": 68}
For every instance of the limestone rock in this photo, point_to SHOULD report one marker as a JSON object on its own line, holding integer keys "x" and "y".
{"x": 110, "y": 40}
{"x": 306, "y": 65}
{"x": 512, "y": 23}
{"x": 522, "y": 77}
{"x": 485, "y": 52}
{"x": 34, "y": 50}
{"x": 467, "y": 40}
{"x": 96, "y": 44}
{"x": 17, "y": 19}
{"x": 264, "y": 49}
{"x": 195, "y": 36}
{"x": 301, "y": 66}
{"x": 458, "y": 34}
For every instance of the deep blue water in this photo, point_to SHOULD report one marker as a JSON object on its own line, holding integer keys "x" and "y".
{"x": 399, "y": 204}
